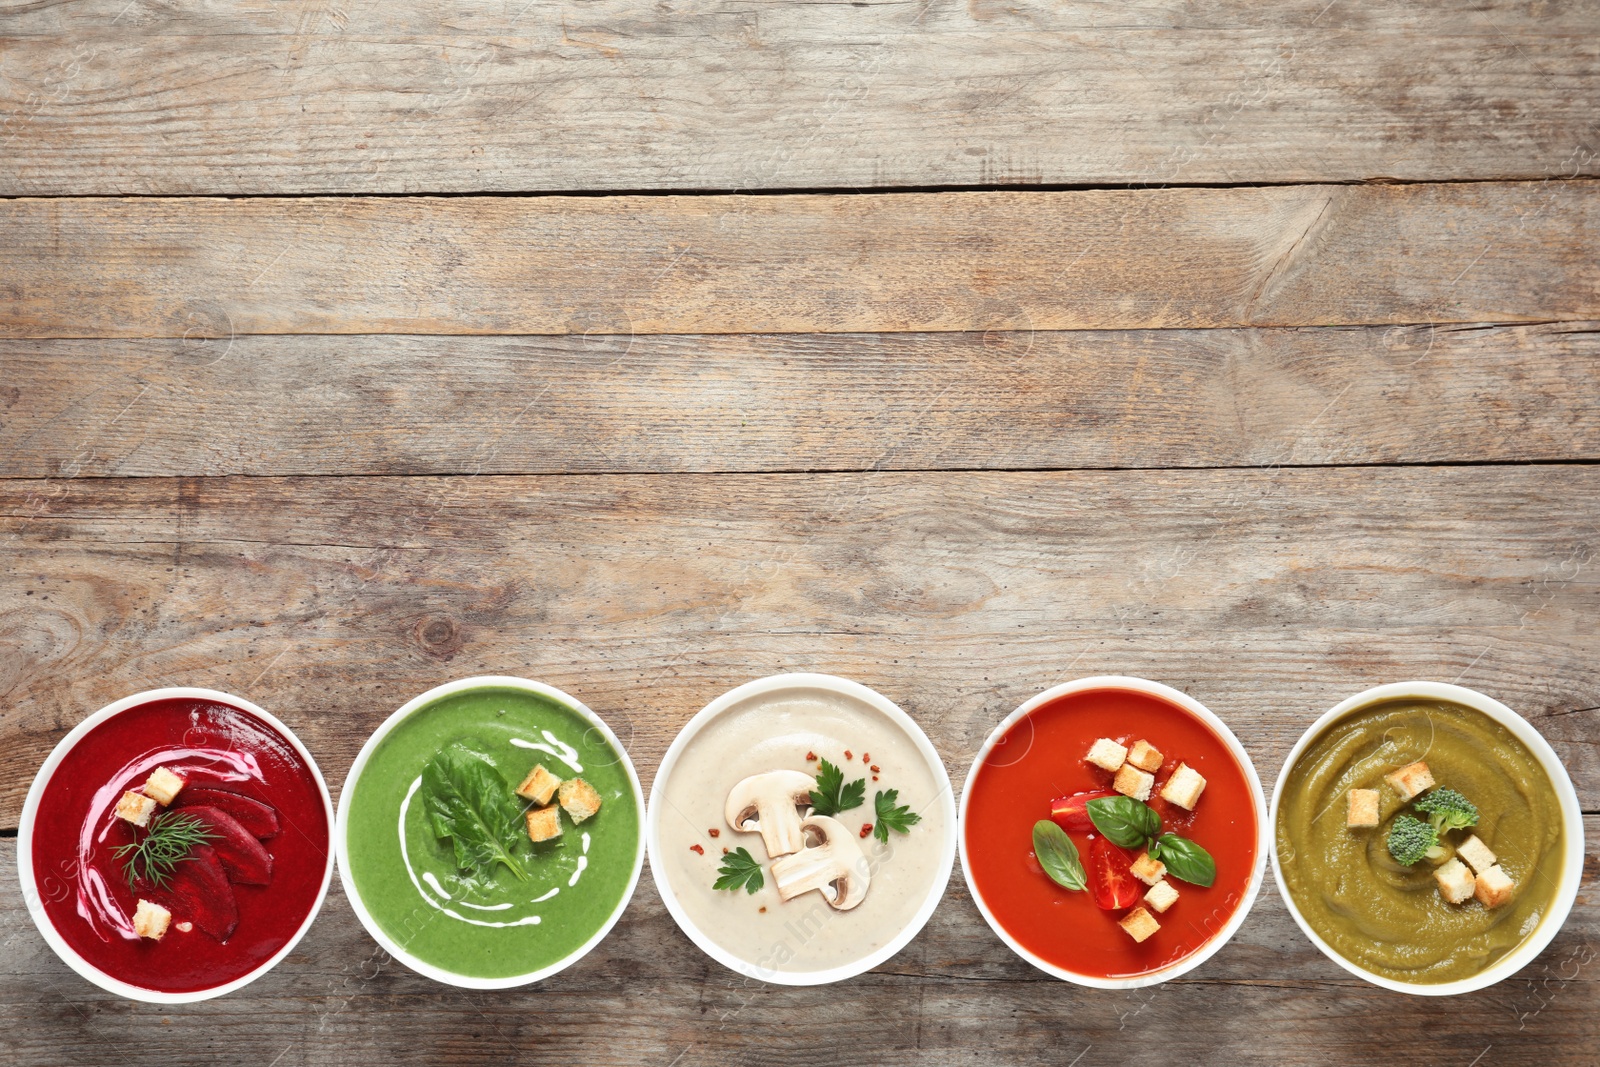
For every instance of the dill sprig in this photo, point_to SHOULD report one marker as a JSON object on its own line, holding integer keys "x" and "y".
{"x": 170, "y": 840}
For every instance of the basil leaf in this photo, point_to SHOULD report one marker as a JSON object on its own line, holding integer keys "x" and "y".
{"x": 1058, "y": 855}
{"x": 469, "y": 802}
{"x": 1125, "y": 822}
{"x": 1187, "y": 860}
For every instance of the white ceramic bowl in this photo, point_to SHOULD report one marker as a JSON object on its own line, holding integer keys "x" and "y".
{"x": 1218, "y": 727}
{"x": 1571, "y": 819}
{"x": 30, "y": 809}
{"x": 777, "y": 683}
{"x": 342, "y": 841}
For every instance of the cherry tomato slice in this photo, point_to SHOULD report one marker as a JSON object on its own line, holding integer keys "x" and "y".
{"x": 1072, "y": 813}
{"x": 1111, "y": 879}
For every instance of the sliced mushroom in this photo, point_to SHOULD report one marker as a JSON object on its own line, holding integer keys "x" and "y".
{"x": 771, "y": 803}
{"x": 832, "y": 863}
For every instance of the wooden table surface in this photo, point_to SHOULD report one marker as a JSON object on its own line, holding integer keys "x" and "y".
{"x": 960, "y": 347}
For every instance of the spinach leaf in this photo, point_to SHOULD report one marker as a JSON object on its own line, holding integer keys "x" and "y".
{"x": 1187, "y": 860}
{"x": 470, "y": 803}
{"x": 1125, "y": 822}
{"x": 1058, "y": 855}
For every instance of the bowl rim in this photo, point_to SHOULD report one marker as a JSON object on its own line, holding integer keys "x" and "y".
{"x": 30, "y": 809}
{"x": 1184, "y": 702}
{"x": 944, "y": 796}
{"x": 1571, "y": 819}
{"x": 342, "y": 841}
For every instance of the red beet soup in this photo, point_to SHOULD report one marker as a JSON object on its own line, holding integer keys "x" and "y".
{"x": 236, "y": 898}
{"x": 1040, "y": 759}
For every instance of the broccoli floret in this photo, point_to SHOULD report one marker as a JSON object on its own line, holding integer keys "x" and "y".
{"x": 1448, "y": 810}
{"x": 1410, "y": 839}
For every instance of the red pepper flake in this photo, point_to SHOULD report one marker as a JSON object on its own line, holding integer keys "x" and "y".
{"x": 724, "y": 852}
{"x": 874, "y": 777}
{"x": 875, "y": 768}
{"x": 763, "y": 909}
{"x": 697, "y": 848}
{"x": 811, "y": 757}
{"x": 714, "y": 832}
{"x": 866, "y": 757}
{"x": 847, "y": 754}
{"x": 866, "y": 828}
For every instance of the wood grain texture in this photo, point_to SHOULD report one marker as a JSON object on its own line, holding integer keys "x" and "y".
{"x": 320, "y": 404}
{"x": 1268, "y": 594}
{"x": 956, "y": 994}
{"x": 1295, "y": 256}
{"x": 108, "y": 96}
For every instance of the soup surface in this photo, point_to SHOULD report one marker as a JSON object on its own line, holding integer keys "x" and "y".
{"x": 494, "y": 924}
{"x": 1042, "y": 757}
{"x": 1391, "y": 919}
{"x": 219, "y": 750}
{"x": 778, "y": 731}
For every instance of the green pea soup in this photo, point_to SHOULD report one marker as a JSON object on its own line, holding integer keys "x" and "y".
{"x": 492, "y": 925}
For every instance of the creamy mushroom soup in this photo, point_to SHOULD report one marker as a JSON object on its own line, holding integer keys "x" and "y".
{"x": 853, "y": 878}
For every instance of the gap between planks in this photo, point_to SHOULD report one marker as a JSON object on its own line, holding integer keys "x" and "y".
{"x": 812, "y": 190}
{"x": 799, "y": 472}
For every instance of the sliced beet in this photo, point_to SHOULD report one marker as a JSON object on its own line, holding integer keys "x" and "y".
{"x": 243, "y": 857}
{"x": 199, "y": 892}
{"x": 257, "y": 816}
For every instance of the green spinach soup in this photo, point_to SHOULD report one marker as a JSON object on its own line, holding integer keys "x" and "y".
{"x": 1420, "y": 839}
{"x": 471, "y": 872}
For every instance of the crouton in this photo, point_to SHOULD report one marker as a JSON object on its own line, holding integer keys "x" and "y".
{"x": 579, "y": 799}
{"x": 136, "y": 808}
{"x": 1363, "y": 808}
{"x": 1184, "y": 787}
{"x": 1139, "y": 923}
{"x": 1494, "y": 887}
{"x": 1410, "y": 780}
{"x": 1161, "y": 896}
{"x": 163, "y": 786}
{"x": 539, "y": 786}
{"x": 1147, "y": 870}
{"x": 544, "y": 823}
{"x": 1132, "y": 782}
{"x": 1456, "y": 884}
{"x": 1477, "y": 854}
{"x": 1145, "y": 756}
{"x": 1107, "y": 755}
{"x": 150, "y": 920}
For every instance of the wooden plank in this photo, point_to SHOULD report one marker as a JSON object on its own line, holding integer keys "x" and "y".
{"x": 481, "y": 405}
{"x": 1295, "y": 256}
{"x": 108, "y": 96}
{"x": 954, "y": 990}
{"x": 1268, "y": 594}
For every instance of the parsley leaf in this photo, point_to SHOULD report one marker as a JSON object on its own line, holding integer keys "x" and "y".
{"x": 739, "y": 868}
{"x": 832, "y": 795}
{"x": 899, "y": 819}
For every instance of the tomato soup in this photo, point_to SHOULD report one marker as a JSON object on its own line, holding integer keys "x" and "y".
{"x": 1041, "y": 758}
{"x": 245, "y": 782}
